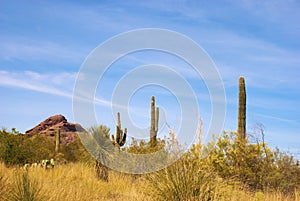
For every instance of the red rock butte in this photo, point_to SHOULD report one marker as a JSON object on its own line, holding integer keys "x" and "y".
{"x": 50, "y": 126}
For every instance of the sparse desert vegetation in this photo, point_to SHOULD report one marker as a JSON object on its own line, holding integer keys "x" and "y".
{"x": 231, "y": 167}
{"x": 160, "y": 100}
{"x": 204, "y": 173}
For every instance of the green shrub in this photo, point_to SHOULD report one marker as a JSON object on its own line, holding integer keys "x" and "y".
{"x": 18, "y": 149}
{"x": 254, "y": 164}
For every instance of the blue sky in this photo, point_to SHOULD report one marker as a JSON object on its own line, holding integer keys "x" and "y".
{"x": 44, "y": 43}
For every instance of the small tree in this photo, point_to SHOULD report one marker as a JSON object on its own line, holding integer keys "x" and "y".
{"x": 118, "y": 141}
{"x": 100, "y": 168}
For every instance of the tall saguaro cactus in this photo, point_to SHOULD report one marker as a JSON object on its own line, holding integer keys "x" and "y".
{"x": 242, "y": 109}
{"x": 120, "y": 135}
{"x": 57, "y": 141}
{"x": 154, "y": 116}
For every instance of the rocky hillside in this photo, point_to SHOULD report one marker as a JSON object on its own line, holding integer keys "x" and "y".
{"x": 49, "y": 126}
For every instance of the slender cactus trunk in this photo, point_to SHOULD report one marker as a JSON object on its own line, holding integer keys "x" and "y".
{"x": 57, "y": 141}
{"x": 242, "y": 109}
{"x": 154, "y": 119}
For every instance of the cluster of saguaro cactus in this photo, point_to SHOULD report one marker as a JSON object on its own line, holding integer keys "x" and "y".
{"x": 154, "y": 116}
{"x": 57, "y": 141}
{"x": 242, "y": 109}
{"x": 120, "y": 138}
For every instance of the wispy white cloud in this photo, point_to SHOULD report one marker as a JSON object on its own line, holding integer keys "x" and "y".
{"x": 290, "y": 121}
{"x": 277, "y": 12}
{"x": 16, "y": 47}
{"x": 36, "y": 82}
{"x": 264, "y": 64}
{"x": 59, "y": 84}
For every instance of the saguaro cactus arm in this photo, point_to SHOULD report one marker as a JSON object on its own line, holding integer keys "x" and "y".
{"x": 123, "y": 139}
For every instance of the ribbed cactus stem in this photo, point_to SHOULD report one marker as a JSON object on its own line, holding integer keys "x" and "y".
{"x": 242, "y": 109}
{"x": 154, "y": 118}
{"x": 57, "y": 140}
{"x": 119, "y": 119}
{"x": 118, "y": 128}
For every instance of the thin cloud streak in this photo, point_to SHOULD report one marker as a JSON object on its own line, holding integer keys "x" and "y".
{"x": 20, "y": 81}
{"x": 291, "y": 121}
{"x": 15, "y": 47}
{"x": 34, "y": 81}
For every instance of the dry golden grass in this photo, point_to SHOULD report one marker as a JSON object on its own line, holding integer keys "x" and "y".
{"x": 77, "y": 182}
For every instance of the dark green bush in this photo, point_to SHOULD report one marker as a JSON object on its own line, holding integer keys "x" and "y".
{"x": 19, "y": 149}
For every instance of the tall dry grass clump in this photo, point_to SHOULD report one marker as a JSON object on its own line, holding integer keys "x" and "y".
{"x": 5, "y": 183}
{"x": 78, "y": 182}
{"x": 185, "y": 180}
{"x": 26, "y": 188}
